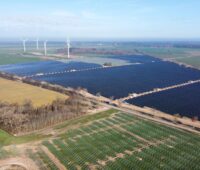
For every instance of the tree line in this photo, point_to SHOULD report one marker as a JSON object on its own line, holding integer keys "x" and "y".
{"x": 16, "y": 119}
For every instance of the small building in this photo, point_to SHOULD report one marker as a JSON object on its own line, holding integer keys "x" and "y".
{"x": 107, "y": 64}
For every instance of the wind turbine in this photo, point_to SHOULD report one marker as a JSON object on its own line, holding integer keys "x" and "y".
{"x": 37, "y": 44}
{"x": 24, "y": 45}
{"x": 68, "y": 48}
{"x": 45, "y": 48}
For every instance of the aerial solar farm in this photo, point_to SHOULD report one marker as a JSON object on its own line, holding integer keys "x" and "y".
{"x": 138, "y": 115}
{"x": 99, "y": 85}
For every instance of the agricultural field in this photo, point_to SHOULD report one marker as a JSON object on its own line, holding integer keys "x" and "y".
{"x": 193, "y": 61}
{"x": 117, "y": 140}
{"x": 166, "y": 52}
{"x": 183, "y": 55}
{"x": 17, "y": 92}
{"x": 14, "y": 55}
{"x": 5, "y": 59}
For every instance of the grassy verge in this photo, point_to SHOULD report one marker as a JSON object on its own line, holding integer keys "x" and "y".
{"x": 86, "y": 118}
{"x": 8, "y": 139}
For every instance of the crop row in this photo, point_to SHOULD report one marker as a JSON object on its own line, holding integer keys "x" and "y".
{"x": 165, "y": 147}
{"x": 97, "y": 125}
{"x": 42, "y": 160}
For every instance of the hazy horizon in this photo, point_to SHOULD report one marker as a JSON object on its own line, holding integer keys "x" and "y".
{"x": 76, "y": 39}
{"x": 93, "y": 19}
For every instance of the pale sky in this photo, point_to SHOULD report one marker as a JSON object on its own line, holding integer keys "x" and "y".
{"x": 133, "y": 19}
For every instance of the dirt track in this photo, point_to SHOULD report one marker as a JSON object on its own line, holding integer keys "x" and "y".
{"x": 24, "y": 162}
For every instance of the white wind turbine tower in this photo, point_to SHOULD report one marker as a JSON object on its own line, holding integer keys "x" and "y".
{"x": 37, "y": 44}
{"x": 68, "y": 48}
{"x": 45, "y": 48}
{"x": 24, "y": 45}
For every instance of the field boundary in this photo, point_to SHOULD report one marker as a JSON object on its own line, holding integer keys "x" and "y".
{"x": 53, "y": 158}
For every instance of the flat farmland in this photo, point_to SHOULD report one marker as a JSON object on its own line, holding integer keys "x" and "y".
{"x": 9, "y": 59}
{"x": 183, "y": 55}
{"x": 13, "y": 55}
{"x": 17, "y": 92}
{"x": 120, "y": 141}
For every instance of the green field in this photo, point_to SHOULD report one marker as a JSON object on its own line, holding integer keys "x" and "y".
{"x": 166, "y": 52}
{"x": 121, "y": 141}
{"x": 183, "y": 55}
{"x": 5, "y": 59}
{"x": 193, "y": 61}
{"x": 14, "y": 56}
{"x": 8, "y": 139}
